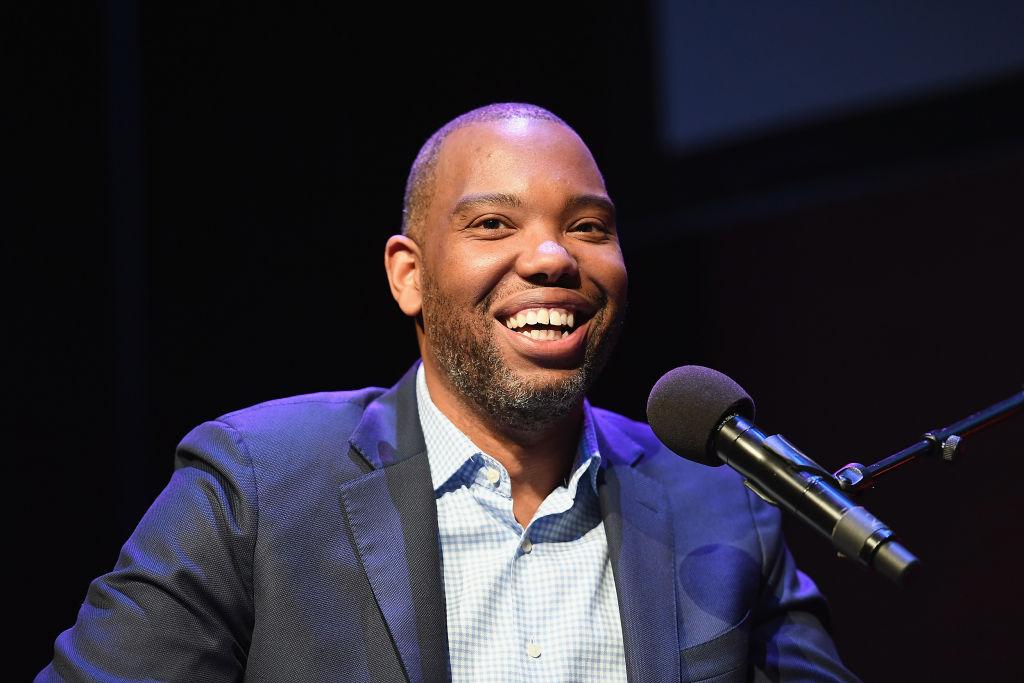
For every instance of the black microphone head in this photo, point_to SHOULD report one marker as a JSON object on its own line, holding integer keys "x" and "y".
{"x": 688, "y": 404}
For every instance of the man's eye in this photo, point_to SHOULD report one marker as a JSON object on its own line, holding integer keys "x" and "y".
{"x": 589, "y": 227}
{"x": 491, "y": 223}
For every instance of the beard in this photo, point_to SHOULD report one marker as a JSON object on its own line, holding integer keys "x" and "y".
{"x": 470, "y": 359}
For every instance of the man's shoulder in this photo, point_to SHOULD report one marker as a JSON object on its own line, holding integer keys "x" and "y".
{"x": 326, "y": 403}
{"x": 304, "y": 427}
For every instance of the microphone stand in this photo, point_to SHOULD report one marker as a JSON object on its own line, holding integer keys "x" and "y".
{"x": 946, "y": 442}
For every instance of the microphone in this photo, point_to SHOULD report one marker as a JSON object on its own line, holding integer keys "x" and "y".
{"x": 704, "y": 416}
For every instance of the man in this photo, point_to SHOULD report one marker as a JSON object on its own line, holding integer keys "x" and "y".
{"x": 479, "y": 520}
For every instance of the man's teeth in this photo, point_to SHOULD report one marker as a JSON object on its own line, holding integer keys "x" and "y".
{"x": 545, "y": 335}
{"x": 541, "y": 316}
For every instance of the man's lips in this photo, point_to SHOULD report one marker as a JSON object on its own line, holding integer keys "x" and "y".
{"x": 564, "y": 351}
{"x": 558, "y": 318}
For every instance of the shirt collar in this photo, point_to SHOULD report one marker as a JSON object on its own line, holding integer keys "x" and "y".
{"x": 448, "y": 448}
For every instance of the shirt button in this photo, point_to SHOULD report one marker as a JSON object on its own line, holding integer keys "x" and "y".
{"x": 533, "y": 649}
{"x": 492, "y": 475}
{"x": 527, "y": 546}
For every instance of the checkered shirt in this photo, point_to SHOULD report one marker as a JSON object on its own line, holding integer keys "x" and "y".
{"x": 533, "y": 604}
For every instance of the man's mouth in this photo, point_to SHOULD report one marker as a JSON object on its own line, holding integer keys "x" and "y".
{"x": 543, "y": 324}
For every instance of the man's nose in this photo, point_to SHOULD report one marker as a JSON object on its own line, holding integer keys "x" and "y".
{"x": 547, "y": 263}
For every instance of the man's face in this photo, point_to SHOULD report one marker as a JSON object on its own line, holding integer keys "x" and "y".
{"x": 523, "y": 280}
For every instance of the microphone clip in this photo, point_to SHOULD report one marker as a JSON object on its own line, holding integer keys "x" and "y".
{"x": 795, "y": 460}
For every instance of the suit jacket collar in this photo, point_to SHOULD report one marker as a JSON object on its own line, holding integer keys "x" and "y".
{"x": 393, "y": 517}
{"x": 389, "y": 430}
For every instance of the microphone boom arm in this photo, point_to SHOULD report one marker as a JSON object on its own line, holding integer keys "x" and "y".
{"x": 947, "y": 442}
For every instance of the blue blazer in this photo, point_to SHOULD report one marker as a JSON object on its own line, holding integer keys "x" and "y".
{"x": 297, "y": 541}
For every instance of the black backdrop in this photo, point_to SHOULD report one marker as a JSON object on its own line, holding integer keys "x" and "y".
{"x": 198, "y": 222}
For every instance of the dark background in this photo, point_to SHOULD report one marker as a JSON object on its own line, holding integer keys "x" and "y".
{"x": 199, "y": 202}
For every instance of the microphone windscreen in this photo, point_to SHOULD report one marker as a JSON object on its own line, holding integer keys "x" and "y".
{"x": 687, "y": 405}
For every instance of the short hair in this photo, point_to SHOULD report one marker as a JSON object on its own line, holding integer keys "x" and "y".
{"x": 419, "y": 187}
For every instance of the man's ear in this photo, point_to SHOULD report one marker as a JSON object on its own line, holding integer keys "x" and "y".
{"x": 403, "y": 263}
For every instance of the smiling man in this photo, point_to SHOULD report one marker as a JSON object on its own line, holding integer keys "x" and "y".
{"x": 511, "y": 264}
{"x": 480, "y": 520}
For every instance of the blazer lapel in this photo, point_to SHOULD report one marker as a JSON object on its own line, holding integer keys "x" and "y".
{"x": 393, "y": 517}
{"x": 640, "y": 544}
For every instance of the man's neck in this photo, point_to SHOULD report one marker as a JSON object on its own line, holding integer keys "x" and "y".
{"x": 537, "y": 459}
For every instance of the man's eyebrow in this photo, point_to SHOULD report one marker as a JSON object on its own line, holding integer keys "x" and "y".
{"x": 485, "y": 199}
{"x": 578, "y": 201}
{"x": 597, "y": 201}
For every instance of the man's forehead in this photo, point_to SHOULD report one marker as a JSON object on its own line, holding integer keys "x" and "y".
{"x": 511, "y": 149}
{"x": 468, "y": 142}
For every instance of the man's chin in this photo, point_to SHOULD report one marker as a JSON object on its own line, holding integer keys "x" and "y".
{"x": 540, "y": 375}
{"x": 524, "y": 397}
{"x": 530, "y": 404}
